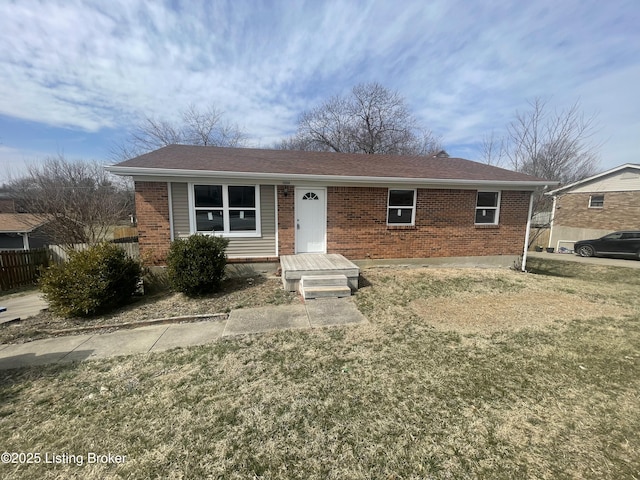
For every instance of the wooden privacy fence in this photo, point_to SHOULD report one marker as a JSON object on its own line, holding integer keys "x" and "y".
{"x": 60, "y": 255}
{"x": 19, "y": 268}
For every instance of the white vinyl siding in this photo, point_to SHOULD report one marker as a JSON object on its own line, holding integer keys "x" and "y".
{"x": 627, "y": 180}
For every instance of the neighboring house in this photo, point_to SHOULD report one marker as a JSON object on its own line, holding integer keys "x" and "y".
{"x": 596, "y": 206}
{"x": 276, "y": 202}
{"x": 23, "y": 231}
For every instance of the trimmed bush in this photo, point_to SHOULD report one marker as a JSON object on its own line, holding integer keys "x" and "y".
{"x": 195, "y": 265}
{"x": 91, "y": 282}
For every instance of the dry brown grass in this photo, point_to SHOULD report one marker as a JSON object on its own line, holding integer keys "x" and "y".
{"x": 402, "y": 397}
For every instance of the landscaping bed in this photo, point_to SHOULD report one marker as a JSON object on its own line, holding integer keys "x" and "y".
{"x": 235, "y": 293}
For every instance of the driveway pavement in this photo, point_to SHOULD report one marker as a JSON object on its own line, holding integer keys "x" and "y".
{"x": 313, "y": 314}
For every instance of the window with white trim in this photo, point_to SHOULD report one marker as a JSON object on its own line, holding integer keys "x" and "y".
{"x": 596, "y": 201}
{"x": 401, "y": 207}
{"x": 228, "y": 210}
{"x": 487, "y": 208}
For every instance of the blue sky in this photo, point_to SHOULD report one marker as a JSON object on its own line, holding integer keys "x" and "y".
{"x": 76, "y": 75}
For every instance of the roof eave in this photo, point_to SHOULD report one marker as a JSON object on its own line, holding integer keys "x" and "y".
{"x": 592, "y": 178}
{"x": 283, "y": 177}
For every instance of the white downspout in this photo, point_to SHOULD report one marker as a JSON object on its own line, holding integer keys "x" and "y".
{"x": 526, "y": 236}
{"x": 553, "y": 217}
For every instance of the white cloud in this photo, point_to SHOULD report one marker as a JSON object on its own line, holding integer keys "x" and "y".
{"x": 464, "y": 66}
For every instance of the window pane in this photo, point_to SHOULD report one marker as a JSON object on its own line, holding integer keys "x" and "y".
{"x": 596, "y": 201}
{"x": 485, "y": 215}
{"x": 613, "y": 236}
{"x": 242, "y": 220}
{"x": 487, "y": 199}
{"x": 208, "y": 195}
{"x": 399, "y": 215}
{"x": 401, "y": 198}
{"x": 209, "y": 221}
{"x": 242, "y": 196}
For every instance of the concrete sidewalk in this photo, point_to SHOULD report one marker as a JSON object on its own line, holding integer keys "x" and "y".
{"x": 21, "y": 305}
{"x": 313, "y": 314}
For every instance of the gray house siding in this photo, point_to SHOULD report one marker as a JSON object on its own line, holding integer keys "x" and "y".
{"x": 180, "y": 210}
{"x": 243, "y": 247}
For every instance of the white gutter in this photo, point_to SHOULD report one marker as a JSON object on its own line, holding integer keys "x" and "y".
{"x": 526, "y": 236}
{"x": 279, "y": 177}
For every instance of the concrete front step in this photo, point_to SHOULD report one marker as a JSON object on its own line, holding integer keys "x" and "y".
{"x": 324, "y": 292}
{"x": 335, "y": 280}
{"x": 324, "y": 286}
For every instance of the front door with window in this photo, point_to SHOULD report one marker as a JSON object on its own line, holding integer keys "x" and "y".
{"x": 311, "y": 220}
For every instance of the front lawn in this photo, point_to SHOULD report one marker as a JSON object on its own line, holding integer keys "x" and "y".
{"x": 460, "y": 374}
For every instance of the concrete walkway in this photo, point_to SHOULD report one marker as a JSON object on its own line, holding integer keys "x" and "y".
{"x": 21, "y": 305}
{"x": 313, "y": 314}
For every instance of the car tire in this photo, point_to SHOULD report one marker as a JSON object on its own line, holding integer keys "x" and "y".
{"x": 586, "y": 251}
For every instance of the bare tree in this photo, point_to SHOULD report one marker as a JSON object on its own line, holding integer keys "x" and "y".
{"x": 371, "y": 120}
{"x": 81, "y": 200}
{"x": 492, "y": 149}
{"x": 198, "y": 127}
{"x": 554, "y": 145}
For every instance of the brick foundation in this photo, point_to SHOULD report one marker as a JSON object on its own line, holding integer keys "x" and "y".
{"x": 152, "y": 212}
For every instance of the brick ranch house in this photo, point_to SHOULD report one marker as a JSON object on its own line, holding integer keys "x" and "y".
{"x": 596, "y": 206}
{"x": 275, "y": 202}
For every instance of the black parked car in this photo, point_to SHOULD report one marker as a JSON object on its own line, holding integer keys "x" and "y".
{"x": 622, "y": 244}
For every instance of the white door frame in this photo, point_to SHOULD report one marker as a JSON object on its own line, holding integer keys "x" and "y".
{"x": 295, "y": 212}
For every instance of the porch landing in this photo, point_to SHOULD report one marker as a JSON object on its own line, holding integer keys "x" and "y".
{"x": 316, "y": 264}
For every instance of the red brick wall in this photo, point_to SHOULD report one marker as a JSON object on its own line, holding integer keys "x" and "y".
{"x": 152, "y": 212}
{"x": 356, "y": 225}
{"x": 621, "y": 211}
{"x": 286, "y": 220}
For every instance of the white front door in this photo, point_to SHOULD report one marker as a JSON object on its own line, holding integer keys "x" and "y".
{"x": 311, "y": 220}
